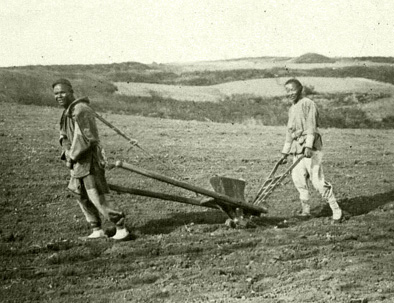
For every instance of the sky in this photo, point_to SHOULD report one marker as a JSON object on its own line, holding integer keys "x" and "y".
{"x": 47, "y": 32}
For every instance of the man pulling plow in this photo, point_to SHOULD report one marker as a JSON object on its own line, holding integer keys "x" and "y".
{"x": 83, "y": 156}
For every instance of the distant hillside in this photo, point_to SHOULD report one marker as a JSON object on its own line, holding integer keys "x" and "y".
{"x": 94, "y": 68}
{"x": 239, "y": 82}
{"x": 312, "y": 58}
{"x": 264, "y": 88}
{"x": 376, "y": 59}
{"x": 263, "y": 59}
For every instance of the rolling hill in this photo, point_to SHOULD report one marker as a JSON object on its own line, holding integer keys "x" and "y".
{"x": 252, "y": 88}
{"x": 312, "y": 58}
{"x": 270, "y": 87}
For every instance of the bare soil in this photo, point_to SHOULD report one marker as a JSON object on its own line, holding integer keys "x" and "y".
{"x": 184, "y": 253}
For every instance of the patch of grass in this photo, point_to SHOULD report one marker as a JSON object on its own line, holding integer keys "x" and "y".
{"x": 32, "y": 86}
{"x": 378, "y": 73}
{"x": 198, "y": 78}
{"x": 309, "y": 90}
{"x": 202, "y": 78}
{"x": 379, "y": 59}
{"x": 236, "y": 109}
{"x": 346, "y": 100}
{"x": 246, "y": 109}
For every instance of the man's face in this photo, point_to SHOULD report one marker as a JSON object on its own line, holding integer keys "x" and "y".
{"x": 63, "y": 94}
{"x": 293, "y": 92}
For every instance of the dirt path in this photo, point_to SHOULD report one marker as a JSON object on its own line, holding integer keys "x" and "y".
{"x": 185, "y": 253}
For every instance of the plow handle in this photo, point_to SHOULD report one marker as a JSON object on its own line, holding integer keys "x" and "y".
{"x": 269, "y": 179}
{"x": 274, "y": 182}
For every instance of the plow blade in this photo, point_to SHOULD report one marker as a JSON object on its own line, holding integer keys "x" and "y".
{"x": 220, "y": 198}
{"x": 234, "y": 188}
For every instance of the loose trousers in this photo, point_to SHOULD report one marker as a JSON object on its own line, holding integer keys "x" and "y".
{"x": 312, "y": 169}
{"x": 93, "y": 203}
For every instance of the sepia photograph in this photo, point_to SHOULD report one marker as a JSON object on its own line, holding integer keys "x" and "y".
{"x": 197, "y": 151}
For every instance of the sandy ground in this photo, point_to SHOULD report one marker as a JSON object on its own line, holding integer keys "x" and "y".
{"x": 185, "y": 253}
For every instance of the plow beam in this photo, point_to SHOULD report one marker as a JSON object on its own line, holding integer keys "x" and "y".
{"x": 220, "y": 199}
{"x": 167, "y": 197}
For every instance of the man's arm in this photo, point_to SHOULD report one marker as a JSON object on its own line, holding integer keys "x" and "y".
{"x": 310, "y": 128}
{"x": 287, "y": 146}
{"x": 311, "y": 124}
{"x": 289, "y": 138}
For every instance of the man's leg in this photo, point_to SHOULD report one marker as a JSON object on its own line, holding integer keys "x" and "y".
{"x": 300, "y": 179}
{"x": 105, "y": 208}
{"x": 92, "y": 217}
{"x": 90, "y": 212}
{"x": 324, "y": 187}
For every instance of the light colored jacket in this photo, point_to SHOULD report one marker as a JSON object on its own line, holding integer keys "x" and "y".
{"x": 302, "y": 128}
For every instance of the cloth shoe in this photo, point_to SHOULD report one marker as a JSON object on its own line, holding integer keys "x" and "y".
{"x": 337, "y": 214}
{"x": 121, "y": 234}
{"x": 306, "y": 209}
{"x": 97, "y": 233}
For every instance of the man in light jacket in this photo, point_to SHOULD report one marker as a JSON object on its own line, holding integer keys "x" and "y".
{"x": 303, "y": 138}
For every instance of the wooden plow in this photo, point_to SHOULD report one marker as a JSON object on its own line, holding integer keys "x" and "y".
{"x": 228, "y": 194}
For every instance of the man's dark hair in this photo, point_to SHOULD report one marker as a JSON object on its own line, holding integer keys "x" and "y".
{"x": 296, "y": 82}
{"x": 62, "y": 81}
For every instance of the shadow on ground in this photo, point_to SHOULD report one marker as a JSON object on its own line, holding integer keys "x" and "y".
{"x": 354, "y": 207}
{"x": 358, "y": 205}
{"x": 168, "y": 224}
{"x": 213, "y": 218}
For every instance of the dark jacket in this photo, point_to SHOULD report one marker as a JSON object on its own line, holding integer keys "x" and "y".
{"x": 79, "y": 137}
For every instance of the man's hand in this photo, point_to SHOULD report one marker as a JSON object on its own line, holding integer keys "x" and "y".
{"x": 283, "y": 160}
{"x": 70, "y": 164}
{"x": 69, "y": 161}
{"x": 307, "y": 152}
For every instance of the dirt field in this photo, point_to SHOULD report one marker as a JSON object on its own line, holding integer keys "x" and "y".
{"x": 184, "y": 253}
{"x": 258, "y": 87}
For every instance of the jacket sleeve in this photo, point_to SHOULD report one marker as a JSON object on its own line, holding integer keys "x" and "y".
{"x": 311, "y": 119}
{"x": 86, "y": 133}
{"x": 64, "y": 141}
{"x": 289, "y": 138}
{"x": 288, "y": 141}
